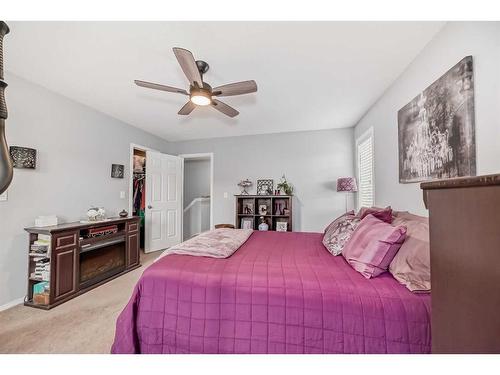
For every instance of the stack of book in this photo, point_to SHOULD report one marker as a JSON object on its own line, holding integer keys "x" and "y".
{"x": 42, "y": 269}
{"x": 40, "y": 253}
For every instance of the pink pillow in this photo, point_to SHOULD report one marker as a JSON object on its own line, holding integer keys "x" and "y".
{"x": 337, "y": 220}
{"x": 411, "y": 265}
{"x": 384, "y": 214}
{"x": 373, "y": 245}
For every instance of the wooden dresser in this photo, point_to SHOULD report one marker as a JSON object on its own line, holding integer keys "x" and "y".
{"x": 464, "y": 222}
{"x": 80, "y": 257}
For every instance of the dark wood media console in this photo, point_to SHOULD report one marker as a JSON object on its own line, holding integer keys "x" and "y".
{"x": 78, "y": 261}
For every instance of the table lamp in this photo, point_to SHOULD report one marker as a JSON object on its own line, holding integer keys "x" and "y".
{"x": 348, "y": 185}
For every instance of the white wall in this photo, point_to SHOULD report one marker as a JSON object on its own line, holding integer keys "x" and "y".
{"x": 455, "y": 41}
{"x": 75, "y": 149}
{"x": 196, "y": 179}
{"x": 311, "y": 161}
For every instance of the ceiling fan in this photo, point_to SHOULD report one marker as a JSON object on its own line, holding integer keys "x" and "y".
{"x": 201, "y": 93}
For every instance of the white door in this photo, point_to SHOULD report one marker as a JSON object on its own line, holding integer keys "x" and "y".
{"x": 163, "y": 216}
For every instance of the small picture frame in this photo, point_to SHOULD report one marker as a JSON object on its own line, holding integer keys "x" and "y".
{"x": 265, "y": 187}
{"x": 263, "y": 209}
{"x": 117, "y": 170}
{"x": 281, "y": 226}
{"x": 247, "y": 223}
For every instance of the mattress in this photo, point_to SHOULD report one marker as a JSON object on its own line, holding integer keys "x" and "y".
{"x": 281, "y": 292}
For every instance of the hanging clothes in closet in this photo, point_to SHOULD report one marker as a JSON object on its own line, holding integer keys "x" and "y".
{"x": 139, "y": 194}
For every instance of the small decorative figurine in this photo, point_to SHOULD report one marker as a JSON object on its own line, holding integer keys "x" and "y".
{"x": 123, "y": 213}
{"x": 244, "y": 184}
{"x": 96, "y": 214}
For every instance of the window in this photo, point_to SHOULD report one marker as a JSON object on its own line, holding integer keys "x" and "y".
{"x": 365, "y": 159}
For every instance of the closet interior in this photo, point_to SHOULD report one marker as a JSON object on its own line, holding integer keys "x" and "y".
{"x": 139, "y": 189}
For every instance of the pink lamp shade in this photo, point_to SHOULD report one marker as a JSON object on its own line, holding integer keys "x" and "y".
{"x": 347, "y": 184}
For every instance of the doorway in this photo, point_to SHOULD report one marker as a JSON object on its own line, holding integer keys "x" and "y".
{"x": 197, "y": 194}
{"x": 156, "y": 197}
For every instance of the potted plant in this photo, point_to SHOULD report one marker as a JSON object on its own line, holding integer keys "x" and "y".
{"x": 285, "y": 186}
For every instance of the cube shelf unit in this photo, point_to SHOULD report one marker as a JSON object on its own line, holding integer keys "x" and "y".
{"x": 279, "y": 209}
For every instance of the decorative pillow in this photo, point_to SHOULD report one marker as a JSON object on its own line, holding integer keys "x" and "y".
{"x": 411, "y": 265}
{"x": 373, "y": 245}
{"x": 334, "y": 222}
{"x": 384, "y": 214}
{"x": 339, "y": 232}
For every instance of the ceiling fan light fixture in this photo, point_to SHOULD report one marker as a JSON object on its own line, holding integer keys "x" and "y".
{"x": 201, "y": 93}
{"x": 201, "y": 99}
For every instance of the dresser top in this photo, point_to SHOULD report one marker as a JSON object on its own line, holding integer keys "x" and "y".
{"x": 79, "y": 225}
{"x": 462, "y": 182}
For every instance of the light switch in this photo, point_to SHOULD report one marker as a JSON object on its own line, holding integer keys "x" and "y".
{"x": 226, "y": 195}
{"x": 122, "y": 194}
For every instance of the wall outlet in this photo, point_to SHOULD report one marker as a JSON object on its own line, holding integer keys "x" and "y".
{"x": 122, "y": 194}
{"x": 226, "y": 195}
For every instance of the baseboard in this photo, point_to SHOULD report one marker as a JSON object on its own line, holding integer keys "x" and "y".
{"x": 10, "y": 304}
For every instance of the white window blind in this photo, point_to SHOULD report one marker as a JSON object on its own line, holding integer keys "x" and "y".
{"x": 365, "y": 170}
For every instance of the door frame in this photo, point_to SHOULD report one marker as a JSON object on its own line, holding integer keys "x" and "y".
{"x": 204, "y": 155}
{"x": 131, "y": 176}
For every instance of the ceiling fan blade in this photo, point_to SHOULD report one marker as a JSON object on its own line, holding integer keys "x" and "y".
{"x": 187, "y": 109}
{"x": 157, "y": 86}
{"x": 224, "y": 108}
{"x": 188, "y": 65}
{"x": 237, "y": 88}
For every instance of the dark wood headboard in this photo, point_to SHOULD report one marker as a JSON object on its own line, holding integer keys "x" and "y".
{"x": 464, "y": 223}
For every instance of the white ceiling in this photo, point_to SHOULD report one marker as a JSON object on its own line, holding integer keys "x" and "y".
{"x": 310, "y": 75}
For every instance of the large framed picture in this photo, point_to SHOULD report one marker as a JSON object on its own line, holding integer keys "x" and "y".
{"x": 436, "y": 129}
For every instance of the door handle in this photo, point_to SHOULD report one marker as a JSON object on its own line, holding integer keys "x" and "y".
{"x": 149, "y": 206}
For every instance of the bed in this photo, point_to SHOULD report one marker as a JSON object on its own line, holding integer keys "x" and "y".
{"x": 278, "y": 293}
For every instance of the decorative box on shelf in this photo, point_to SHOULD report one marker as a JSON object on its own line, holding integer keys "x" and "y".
{"x": 46, "y": 221}
{"x": 275, "y": 209}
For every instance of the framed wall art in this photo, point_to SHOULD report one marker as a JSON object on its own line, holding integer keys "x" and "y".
{"x": 436, "y": 130}
{"x": 23, "y": 157}
{"x": 117, "y": 170}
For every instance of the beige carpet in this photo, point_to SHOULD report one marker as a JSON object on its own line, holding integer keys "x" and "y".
{"x": 85, "y": 324}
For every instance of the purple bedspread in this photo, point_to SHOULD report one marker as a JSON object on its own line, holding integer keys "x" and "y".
{"x": 279, "y": 293}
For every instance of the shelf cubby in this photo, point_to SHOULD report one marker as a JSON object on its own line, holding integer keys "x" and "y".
{"x": 278, "y": 209}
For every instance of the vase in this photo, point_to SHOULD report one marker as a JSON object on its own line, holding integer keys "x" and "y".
{"x": 263, "y": 226}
